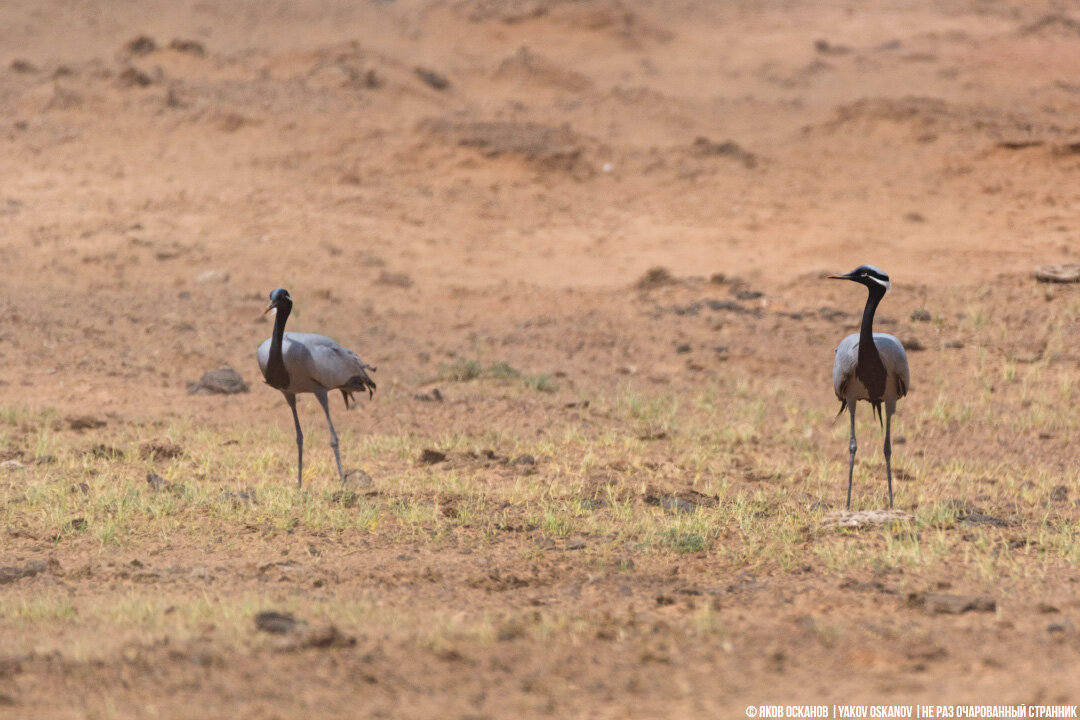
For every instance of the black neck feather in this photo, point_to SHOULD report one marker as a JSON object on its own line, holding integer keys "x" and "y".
{"x": 276, "y": 374}
{"x": 871, "y": 370}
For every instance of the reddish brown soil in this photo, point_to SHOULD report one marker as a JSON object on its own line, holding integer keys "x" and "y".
{"x": 511, "y": 215}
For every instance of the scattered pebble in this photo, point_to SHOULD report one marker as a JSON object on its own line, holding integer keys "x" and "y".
{"x": 1065, "y": 273}
{"x": 1060, "y": 626}
{"x": 141, "y": 45}
{"x": 85, "y": 422}
{"x": 22, "y": 66}
{"x": 160, "y": 451}
{"x": 921, "y": 316}
{"x": 276, "y": 623}
{"x": 213, "y": 276}
{"x": 191, "y": 47}
{"x": 133, "y": 77}
{"x": 432, "y": 78}
{"x": 432, "y": 457}
{"x": 223, "y": 381}
{"x": 433, "y": 396}
{"x": 866, "y": 518}
{"x": 10, "y": 574}
{"x": 656, "y": 277}
{"x": 394, "y": 279}
{"x": 325, "y": 637}
{"x": 156, "y": 482}
{"x": 945, "y": 604}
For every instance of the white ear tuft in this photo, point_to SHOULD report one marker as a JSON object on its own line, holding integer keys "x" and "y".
{"x": 883, "y": 283}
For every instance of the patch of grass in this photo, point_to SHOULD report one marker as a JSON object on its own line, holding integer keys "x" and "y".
{"x": 465, "y": 369}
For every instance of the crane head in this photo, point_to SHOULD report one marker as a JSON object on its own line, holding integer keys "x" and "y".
{"x": 278, "y": 298}
{"x": 867, "y": 275}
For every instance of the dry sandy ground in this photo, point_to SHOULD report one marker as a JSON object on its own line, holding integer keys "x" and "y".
{"x": 469, "y": 179}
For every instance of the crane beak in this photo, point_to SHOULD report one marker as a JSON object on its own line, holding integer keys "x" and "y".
{"x": 845, "y": 276}
{"x": 269, "y": 307}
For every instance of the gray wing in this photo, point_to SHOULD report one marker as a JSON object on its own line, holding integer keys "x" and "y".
{"x": 324, "y": 361}
{"x": 843, "y": 369}
{"x": 893, "y": 356}
{"x": 316, "y": 362}
{"x": 263, "y": 355}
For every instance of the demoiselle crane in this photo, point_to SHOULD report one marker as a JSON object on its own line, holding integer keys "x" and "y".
{"x": 870, "y": 366}
{"x": 297, "y": 363}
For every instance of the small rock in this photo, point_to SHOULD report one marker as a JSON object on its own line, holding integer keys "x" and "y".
{"x": 954, "y": 344}
{"x": 223, "y": 381}
{"x": 239, "y": 497}
{"x": 22, "y": 66}
{"x": 1067, "y": 273}
{"x": 433, "y": 396}
{"x": 575, "y": 544}
{"x": 866, "y": 518}
{"x": 914, "y": 217}
{"x": 432, "y": 78}
{"x": 1059, "y": 494}
{"x": 703, "y": 146}
{"x": 826, "y": 48}
{"x": 275, "y": 623}
{"x": 85, "y": 422}
{"x": 921, "y": 316}
{"x": 325, "y": 637}
{"x": 213, "y": 276}
{"x": 133, "y": 77}
{"x": 141, "y": 45}
{"x": 1046, "y": 608}
{"x": 1060, "y": 626}
{"x": 10, "y": 465}
{"x": 432, "y": 457}
{"x": 160, "y": 451}
{"x": 944, "y": 604}
{"x": 655, "y": 277}
{"x": 191, "y": 47}
{"x": 523, "y": 460}
{"x": 107, "y": 452}
{"x": 345, "y": 498}
{"x": 356, "y": 479}
{"x": 76, "y": 524}
{"x": 394, "y": 279}
{"x": 12, "y": 573}
{"x": 675, "y": 505}
{"x": 156, "y": 482}
{"x": 683, "y": 348}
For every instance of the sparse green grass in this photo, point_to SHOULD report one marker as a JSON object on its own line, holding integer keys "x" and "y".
{"x": 761, "y": 457}
{"x": 465, "y": 369}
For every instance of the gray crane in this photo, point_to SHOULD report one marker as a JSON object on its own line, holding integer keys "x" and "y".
{"x": 307, "y": 363}
{"x": 870, "y": 366}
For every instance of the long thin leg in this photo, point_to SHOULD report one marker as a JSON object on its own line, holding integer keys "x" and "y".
{"x": 333, "y": 435}
{"x": 853, "y": 446}
{"x": 291, "y": 399}
{"x": 888, "y": 450}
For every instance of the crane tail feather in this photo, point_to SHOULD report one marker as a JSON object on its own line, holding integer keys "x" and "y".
{"x": 843, "y": 407}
